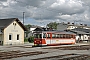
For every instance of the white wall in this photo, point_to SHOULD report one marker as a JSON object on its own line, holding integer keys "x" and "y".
{"x": 84, "y": 37}
{"x": 71, "y": 27}
{"x": 14, "y": 30}
{"x": 77, "y": 37}
{"x": 31, "y": 29}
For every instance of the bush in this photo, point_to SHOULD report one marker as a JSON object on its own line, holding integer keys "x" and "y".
{"x": 31, "y": 39}
{"x": 25, "y": 40}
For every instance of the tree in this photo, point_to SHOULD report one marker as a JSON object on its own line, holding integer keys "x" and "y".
{"x": 28, "y": 28}
{"x": 52, "y": 25}
{"x": 31, "y": 39}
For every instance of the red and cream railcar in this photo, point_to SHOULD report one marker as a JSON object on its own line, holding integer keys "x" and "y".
{"x": 53, "y": 38}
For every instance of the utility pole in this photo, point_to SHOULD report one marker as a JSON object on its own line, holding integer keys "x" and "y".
{"x": 23, "y": 17}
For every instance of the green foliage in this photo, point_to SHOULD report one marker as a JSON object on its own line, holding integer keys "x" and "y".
{"x": 53, "y": 25}
{"x": 25, "y": 40}
{"x": 28, "y": 28}
{"x": 31, "y": 39}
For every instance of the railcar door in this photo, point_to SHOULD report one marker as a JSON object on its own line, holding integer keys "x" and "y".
{"x": 49, "y": 37}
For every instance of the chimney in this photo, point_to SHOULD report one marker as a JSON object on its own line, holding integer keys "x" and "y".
{"x": 85, "y": 24}
{"x": 68, "y": 23}
{"x": 63, "y": 23}
{"x": 81, "y": 24}
{"x": 73, "y": 23}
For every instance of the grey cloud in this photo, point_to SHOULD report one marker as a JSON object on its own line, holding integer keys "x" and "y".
{"x": 68, "y": 10}
{"x": 44, "y": 14}
{"x": 34, "y": 3}
{"x": 86, "y": 2}
{"x": 53, "y": 12}
{"x": 3, "y": 0}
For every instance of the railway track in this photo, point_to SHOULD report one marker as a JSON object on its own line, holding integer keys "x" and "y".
{"x": 16, "y": 54}
{"x": 82, "y": 47}
{"x": 65, "y": 57}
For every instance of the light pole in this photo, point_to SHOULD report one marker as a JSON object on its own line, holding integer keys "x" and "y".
{"x": 23, "y": 17}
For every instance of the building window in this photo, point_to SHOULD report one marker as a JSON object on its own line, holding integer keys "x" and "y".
{"x": 17, "y": 36}
{"x": 10, "y": 36}
{"x": 14, "y": 24}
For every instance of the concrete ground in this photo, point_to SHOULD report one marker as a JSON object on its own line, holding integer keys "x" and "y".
{"x": 27, "y": 47}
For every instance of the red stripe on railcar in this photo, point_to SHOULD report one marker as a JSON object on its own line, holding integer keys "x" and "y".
{"x": 39, "y": 41}
{"x": 43, "y": 41}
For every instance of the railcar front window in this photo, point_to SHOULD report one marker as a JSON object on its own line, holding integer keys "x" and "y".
{"x": 38, "y": 35}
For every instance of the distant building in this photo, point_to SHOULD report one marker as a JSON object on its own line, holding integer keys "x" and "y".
{"x": 84, "y": 26}
{"x": 82, "y": 31}
{"x": 62, "y": 26}
{"x": 32, "y": 28}
{"x": 68, "y": 26}
{"x": 11, "y": 31}
{"x": 82, "y": 34}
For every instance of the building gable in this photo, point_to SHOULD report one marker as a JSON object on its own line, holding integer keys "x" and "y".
{"x": 14, "y": 27}
{"x": 5, "y": 22}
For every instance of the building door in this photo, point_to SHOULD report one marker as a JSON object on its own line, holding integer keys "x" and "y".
{"x": 0, "y": 39}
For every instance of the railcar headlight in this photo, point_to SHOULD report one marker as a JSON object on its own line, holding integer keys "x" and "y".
{"x": 40, "y": 41}
{"x": 34, "y": 41}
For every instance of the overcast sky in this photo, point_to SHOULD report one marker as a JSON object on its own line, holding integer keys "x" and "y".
{"x": 41, "y": 12}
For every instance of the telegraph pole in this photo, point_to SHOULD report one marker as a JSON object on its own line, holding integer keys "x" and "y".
{"x": 23, "y": 17}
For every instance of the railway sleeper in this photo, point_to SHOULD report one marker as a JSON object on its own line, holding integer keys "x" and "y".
{"x": 66, "y": 57}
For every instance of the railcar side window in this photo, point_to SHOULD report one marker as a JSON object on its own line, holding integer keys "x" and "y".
{"x": 73, "y": 36}
{"x": 48, "y": 35}
{"x": 70, "y": 36}
{"x": 58, "y": 35}
{"x": 67, "y": 36}
{"x": 61, "y": 36}
{"x": 64, "y": 36}
{"x": 53, "y": 35}
{"x": 44, "y": 35}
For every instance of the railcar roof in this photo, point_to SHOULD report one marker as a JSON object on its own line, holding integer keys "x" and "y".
{"x": 61, "y": 32}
